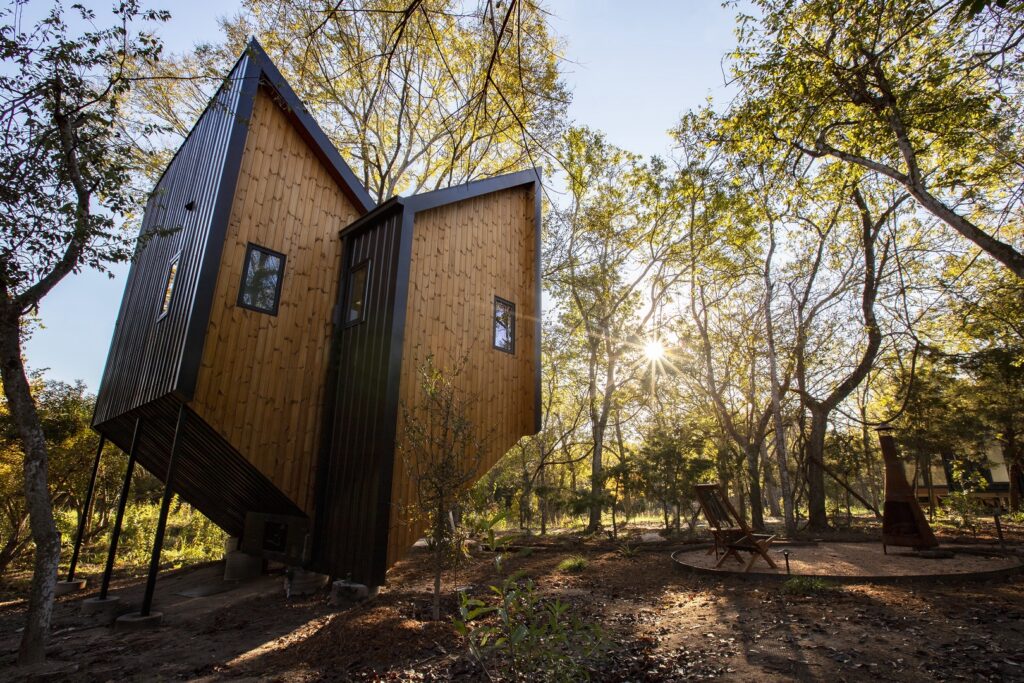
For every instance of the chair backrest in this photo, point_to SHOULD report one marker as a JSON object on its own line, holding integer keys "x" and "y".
{"x": 717, "y": 508}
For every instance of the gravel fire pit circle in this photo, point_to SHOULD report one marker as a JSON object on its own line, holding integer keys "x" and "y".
{"x": 851, "y": 562}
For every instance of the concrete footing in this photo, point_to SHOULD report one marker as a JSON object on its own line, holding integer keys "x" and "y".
{"x": 231, "y": 544}
{"x": 347, "y": 594}
{"x": 301, "y": 582}
{"x": 66, "y": 587}
{"x": 133, "y": 621}
{"x": 239, "y": 566}
{"x": 102, "y": 611}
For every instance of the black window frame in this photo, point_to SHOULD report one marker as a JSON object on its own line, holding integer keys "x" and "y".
{"x": 170, "y": 282}
{"x": 249, "y": 248}
{"x": 498, "y": 301}
{"x": 367, "y": 265}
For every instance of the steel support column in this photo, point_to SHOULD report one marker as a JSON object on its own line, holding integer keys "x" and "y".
{"x": 86, "y": 510}
{"x": 122, "y": 502}
{"x": 161, "y": 525}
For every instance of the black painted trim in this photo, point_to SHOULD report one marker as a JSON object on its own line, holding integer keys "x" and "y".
{"x": 538, "y": 409}
{"x": 249, "y": 248}
{"x": 498, "y": 301}
{"x": 458, "y": 193}
{"x": 357, "y": 193}
{"x": 372, "y": 217}
{"x": 391, "y": 401}
{"x": 326, "y": 448}
{"x": 199, "y": 320}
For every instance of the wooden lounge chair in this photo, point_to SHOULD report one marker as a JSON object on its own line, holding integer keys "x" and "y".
{"x": 731, "y": 534}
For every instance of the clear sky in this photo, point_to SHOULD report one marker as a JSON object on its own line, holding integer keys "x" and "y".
{"x": 634, "y": 68}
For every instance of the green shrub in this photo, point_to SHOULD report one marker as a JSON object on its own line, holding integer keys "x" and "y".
{"x": 530, "y": 637}
{"x": 961, "y": 509}
{"x": 806, "y": 585}
{"x": 190, "y": 537}
{"x": 628, "y": 551}
{"x": 573, "y": 563}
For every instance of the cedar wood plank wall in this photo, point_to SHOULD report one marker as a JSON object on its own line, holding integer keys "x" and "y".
{"x": 262, "y": 377}
{"x": 463, "y": 255}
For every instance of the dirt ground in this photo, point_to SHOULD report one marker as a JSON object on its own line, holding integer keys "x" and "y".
{"x": 660, "y": 624}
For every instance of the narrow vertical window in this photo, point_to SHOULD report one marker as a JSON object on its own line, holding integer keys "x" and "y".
{"x": 261, "y": 280}
{"x": 172, "y": 274}
{"x": 504, "y": 325}
{"x": 355, "y": 293}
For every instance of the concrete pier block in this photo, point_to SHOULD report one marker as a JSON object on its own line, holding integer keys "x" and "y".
{"x": 231, "y": 544}
{"x": 239, "y": 566}
{"x": 299, "y": 581}
{"x": 102, "y": 611}
{"x": 347, "y": 593}
{"x": 66, "y": 587}
{"x": 133, "y": 621}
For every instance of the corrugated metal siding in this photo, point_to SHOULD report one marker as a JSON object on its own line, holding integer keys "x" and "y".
{"x": 146, "y": 354}
{"x": 354, "y": 484}
{"x": 210, "y": 475}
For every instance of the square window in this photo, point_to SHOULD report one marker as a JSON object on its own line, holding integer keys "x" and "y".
{"x": 261, "y": 280}
{"x": 355, "y": 293}
{"x": 504, "y": 325}
{"x": 172, "y": 274}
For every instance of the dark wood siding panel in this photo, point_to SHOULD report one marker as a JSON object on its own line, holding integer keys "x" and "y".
{"x": 146, "y": 354}
{"x": 355, "y": 473}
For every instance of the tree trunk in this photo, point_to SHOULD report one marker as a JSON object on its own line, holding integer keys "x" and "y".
{"x": 437, "y": 584}
{"x": 770, "y": 491}
{"x": 776, "y": 399}
{"x": 37, "y": 495}
{"x": 543, "y": 502}
{"x": 817, "y": 516}
{"x": 596, "y": 481}
{"x": 1012, "y": 458}
{"x": 754, "y": 475}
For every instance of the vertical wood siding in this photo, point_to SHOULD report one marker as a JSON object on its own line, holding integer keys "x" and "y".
{"x": 351, "y": 511}
{"x": 463, "y": 255}
{"x": 261, "y": 380}
{"x": 146, "y": 354}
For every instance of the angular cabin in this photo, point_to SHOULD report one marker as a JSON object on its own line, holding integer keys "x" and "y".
{"x": 274, "y": 319}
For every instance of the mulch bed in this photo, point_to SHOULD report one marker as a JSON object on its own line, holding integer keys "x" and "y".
{"x": 660, "y": 625}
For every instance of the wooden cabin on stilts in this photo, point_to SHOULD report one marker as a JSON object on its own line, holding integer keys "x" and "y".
{"x": 273, "y": 322}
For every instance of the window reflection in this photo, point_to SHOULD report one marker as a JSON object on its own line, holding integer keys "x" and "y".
{"x": 355, "y": 305}
{"x": 172, "y": 274}
{"x": 504, "y": 325}
{"x": 261, "y": 282}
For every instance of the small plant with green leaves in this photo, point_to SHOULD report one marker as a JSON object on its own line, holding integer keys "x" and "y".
{"x": 806, "y": 585}
{"x": 628, "y": 550}
{"x": 487, "y": 529}
{"x": 529, "y": 636}
{"x": 961, "y": 509}
{"x": 573, "y": 564}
